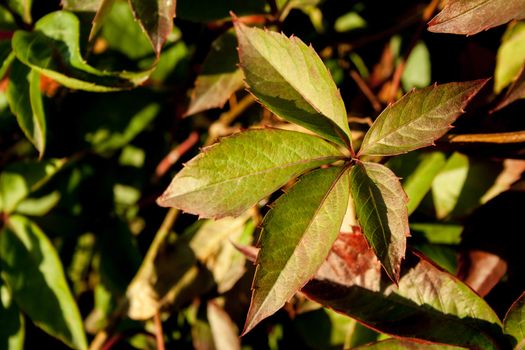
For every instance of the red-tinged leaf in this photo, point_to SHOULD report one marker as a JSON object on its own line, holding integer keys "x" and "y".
{"x": 514, "y": 323}
{"x": 418, "y": 118}
{"x": 220, "y": 77}
{"x": 399, "y": 344}
{"x": 381, "y": 208}
{"x": 481, "y": 270}
{"x": 429, "y": 305}
{"x": 515, "y": 92}
{"x": 296, "y": 238}
{"x": 155, "y": 18}
{"x": 473, "y": 16}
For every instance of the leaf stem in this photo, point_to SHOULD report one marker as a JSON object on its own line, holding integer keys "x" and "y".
{"x": 159, "y": 334}
{"x": 363, "y": 86}
{"x": 174, "y": 155}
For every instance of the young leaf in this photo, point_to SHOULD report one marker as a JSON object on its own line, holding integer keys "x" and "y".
{"x": 428, "y": 305}
{"x": 510, "y": 57}
{"x": 156, "y": 18}
{"x": 473, "y": 16}
{"x": 18, "y": 180}
{"x": 291, "y": 81}
{"x": 418, "y": 118}
{"x": 25, "y": 100}
{"x": 514, "y": 323}
{"x": 381, "y": 208}
{"x": 12, "y": 332}
{"x": 53, "y": 49}
{"x": 515, "y": 92}
{"x": 228, "y": 178}
{"x": 220, "y": 77}
{"x": 296, "y": 238}
{"x": 33, "y": 271}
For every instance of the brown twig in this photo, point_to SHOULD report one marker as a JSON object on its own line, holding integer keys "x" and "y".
{"x": 398, "y": 73}
{"x": 498, "y": 138}
{"x": 167, "y": 162}
{"x": 363, "y": 86}
{"x": 159, "y": 334}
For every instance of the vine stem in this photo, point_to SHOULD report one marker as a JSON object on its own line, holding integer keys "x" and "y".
{"x": 498, "y": 138}
{"x": 174, "y": 155}
{"x": 159, "y": 334}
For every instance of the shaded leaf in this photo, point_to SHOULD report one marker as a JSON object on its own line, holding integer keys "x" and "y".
{"x": 481, "y": 270}
{"x": 398, "y": 344}
{"x": 297, "y": 235}
{"x": 7, "y": 57}
{"x": 473, "y": 16}
{"x": 230, "y": 177}
{"x": 510, "y": 57}
{"x": 25, "y": 101}
{"x": 514, "y": 323}
{"x": 418, "y": 118}
{"x": 156, "y": 18}
{"x": 7, "y": 21}
{"x": 219, "y": 78}
{"x": 417, "y": 171}
{"x": 382, "y": 213}
{"x": 210, "y": 10}
{"x": 428, "y": 304}
{"x": 417, "y": 73}
{"x": 53, "y": 49}
{"x": 18, "y": 180}
{"x": 290, "y": 79}
{"x": 224, "y": 332}
{"x": 22, "y": 8}
{"x": 30, "y": 263}
{"x": 12, "y": 332}
{"x": 515, "y": 92}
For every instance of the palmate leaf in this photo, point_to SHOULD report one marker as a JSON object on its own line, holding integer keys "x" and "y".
{"x": 33, "y": 271}
{"x": 290, "y": 79}
{"x": 473, "y": 16}
{"x": 381, "y": 208}
{"x": 228, "y": 178}
{"x": 156, "y": 18}
{"x": 296, "y": 238}
{"x": 53, "y": 49}
{"x": 418, "y": 118}
{"x": 514, "y": 323}
{"x": 25, "y": 101}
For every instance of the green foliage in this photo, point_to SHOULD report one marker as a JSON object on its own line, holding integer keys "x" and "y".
{"x": 311, "y": 172}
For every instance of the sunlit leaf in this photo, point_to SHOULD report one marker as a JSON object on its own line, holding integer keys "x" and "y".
{"x": 102, "y": 12}
{"x": 417, "y": 73}
{"x": 428, "y": 304}
{"x": 156, "y": 18}
{"x": 473, "y": 16}
{"x": 514, "y": 323}
{"x": 219, "y": 78}
{"x": 18, "y": 180}
{"x": 290, "y": 79}
{"x": 33, "y": 271}
{"x": 81, "y": 5}
{"x": 297, "y": 235}
{"x": 53, "y": 49}
{"x": 515, "y": 92}
{"x": 381, "y": 208}
{"x": 418, "y": 118}
{"x": 12, "y": 332}
{"x": 25, "y": 100}
{"x": 230, "y": 177}
{"x": 511, "y": 55}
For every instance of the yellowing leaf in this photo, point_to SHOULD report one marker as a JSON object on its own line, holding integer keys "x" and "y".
{"x": 291, "y": 81}
{"x": 230, "y": 177}
{"x": 511, "y": 56}
{"x": 296, "y": 238}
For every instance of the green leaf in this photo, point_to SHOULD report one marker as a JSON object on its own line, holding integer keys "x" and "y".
{"x": 514, "y": 323}
{"x": 232, "y": 176}
{"x": 297, "y": 235}
{"x": 25, "y": 101}
{"x": 6, "y": 57}
{"x": 418, "y": 118}
{"x": 18, "y": 180}
{"x": 398, "y": 344}
{"x": 156, "y": 18}
{"x": 220, "y": 77}
{"x": 53, "y": 49}
{"x": 428, "y": 303}
{"x": 515, "y": 92}
{"x": 291, "y": 81}
{"x": 417, "y": 73}
{"x": 211, "y": 10}
{"x": 417, "y": 171}
{"x": 102, "y": 12}
{"x": 381, "y": 208}
{"x": 511, "y": 55}
{"x": 12, "y": 332}
{"x": 33, "y": 271}
{"x": 473, "y": 16}
{"x": 81, "y": 5}
{"x": 7, "y": 21}
{"x": 22, "y": 8}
